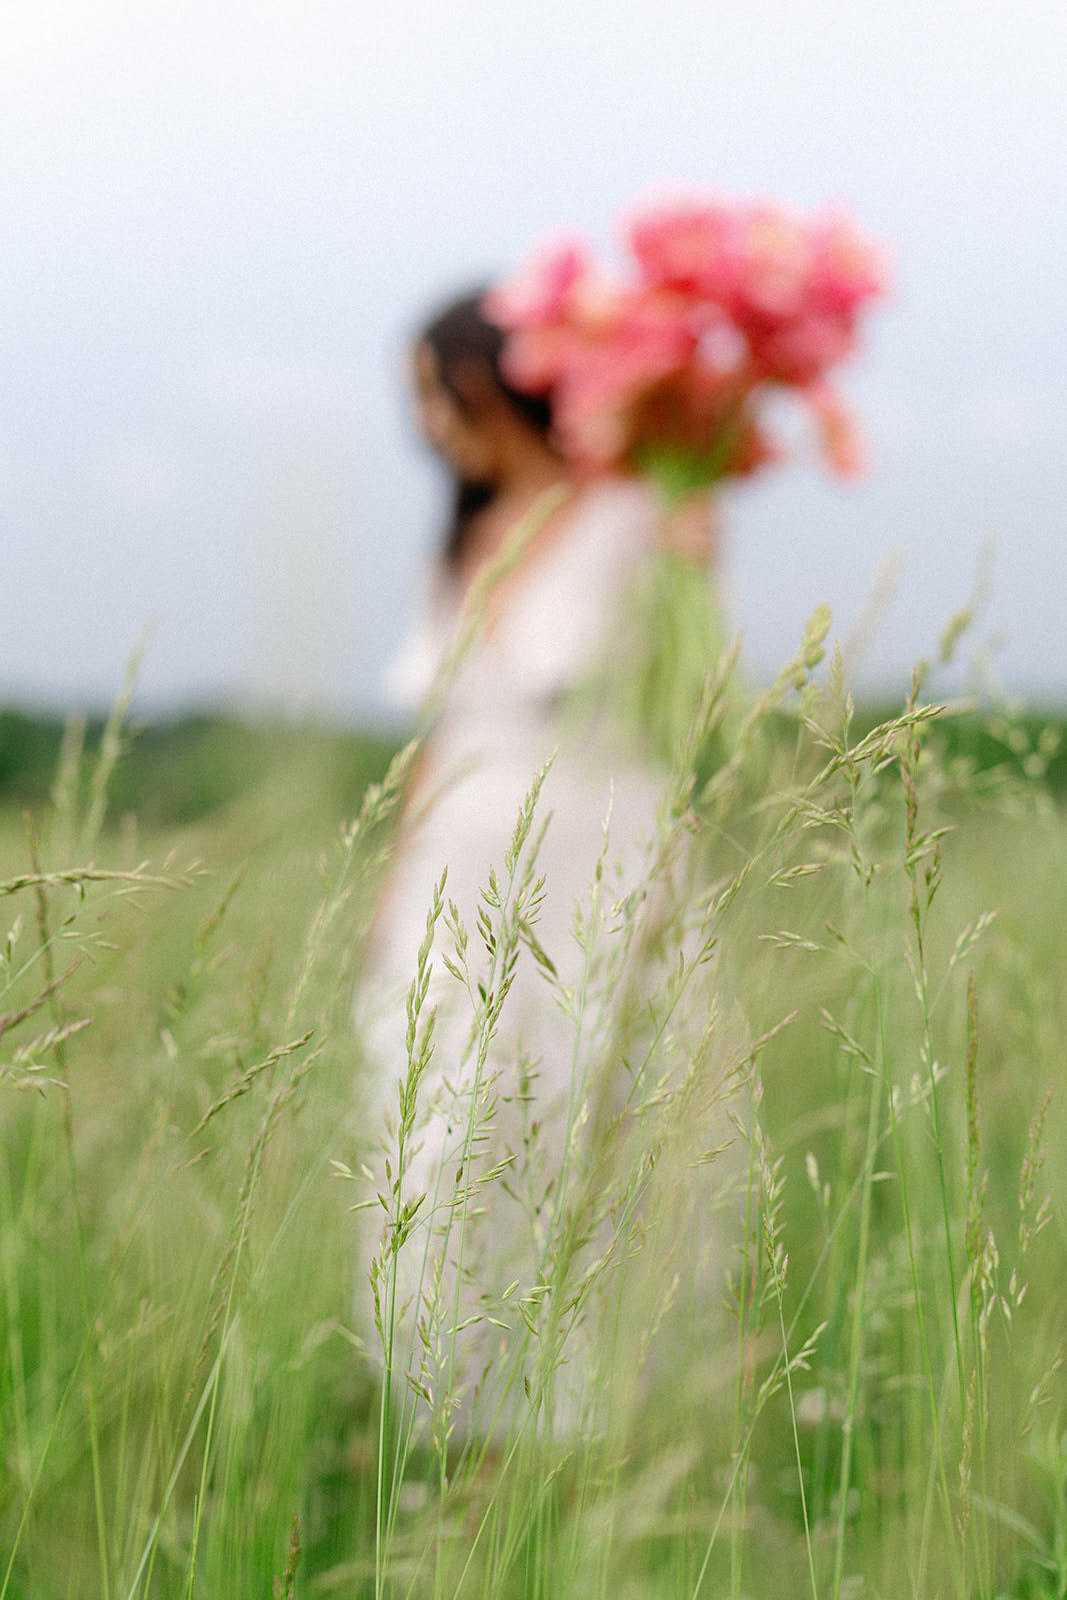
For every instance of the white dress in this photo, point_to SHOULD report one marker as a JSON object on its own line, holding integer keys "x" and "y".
{"x": 509, "y": 709}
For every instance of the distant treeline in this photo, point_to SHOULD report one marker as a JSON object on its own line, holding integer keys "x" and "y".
{"x": 186, "y": 767}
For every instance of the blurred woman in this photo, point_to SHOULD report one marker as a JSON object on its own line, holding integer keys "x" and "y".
{"x": 536, "y": 681}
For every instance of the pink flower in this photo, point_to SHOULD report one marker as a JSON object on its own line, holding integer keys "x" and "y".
{"x": 801, "y": 350}
{"x": 537, "y": 359}
{"x": 775, "y": 268}
{"x": 554, "y": 310}
{"x": 846, "y": 270}
{"x": 728, "y": 302}
{"x": 543, "y": 294}
{"x": 661, "y": 321}
{"x": 690, "y": 247}
{"x": 607, "y": 377}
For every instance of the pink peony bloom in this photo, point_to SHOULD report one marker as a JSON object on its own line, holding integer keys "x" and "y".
{"x": 543, "y": 294}
{"x": 536, "y": 359}
{"x": 661, "y": 321}
{"x": 775, "y": 268}
{"x": 555, "y": 311}
{"x": 846, "y": 270}
{"x": 690, "y": 247}
{"x": 804, "y": 348}
{"x": 596, "y": 397}
{"x": 728, "y": 303}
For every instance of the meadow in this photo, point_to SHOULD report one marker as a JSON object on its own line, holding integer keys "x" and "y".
{"x": 806, "y": 1273}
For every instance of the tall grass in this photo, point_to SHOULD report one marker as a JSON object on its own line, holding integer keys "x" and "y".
{"x": 787, "y": 1304}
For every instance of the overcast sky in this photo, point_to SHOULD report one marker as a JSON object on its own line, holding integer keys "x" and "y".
{"x": 223, "y": 220}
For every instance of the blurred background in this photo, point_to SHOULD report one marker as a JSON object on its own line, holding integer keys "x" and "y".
{"x": 223, "y": 223}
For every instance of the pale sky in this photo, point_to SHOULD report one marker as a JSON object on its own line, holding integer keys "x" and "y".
{"x": 222, "y": 221}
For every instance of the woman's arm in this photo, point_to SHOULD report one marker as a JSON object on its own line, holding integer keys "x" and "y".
{"x": 692, "y": 529}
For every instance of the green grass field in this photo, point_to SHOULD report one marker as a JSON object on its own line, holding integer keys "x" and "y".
{"x": 820, "y": 1247}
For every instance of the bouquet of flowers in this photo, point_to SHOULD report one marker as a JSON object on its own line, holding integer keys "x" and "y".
{"x": 668, "y": 372}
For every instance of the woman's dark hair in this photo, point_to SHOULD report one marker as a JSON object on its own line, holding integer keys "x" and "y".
{"x": 461, "y": 335}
